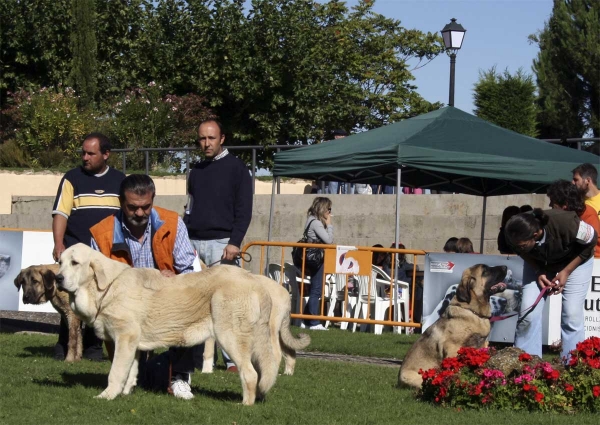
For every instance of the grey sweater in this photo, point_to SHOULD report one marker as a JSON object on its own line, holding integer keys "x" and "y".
{"x": 317, "y": 231}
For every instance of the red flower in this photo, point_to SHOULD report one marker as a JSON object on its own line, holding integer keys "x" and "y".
{"x": 594, "y": 363}
{"x": 526, "y": 387}
{"x": 427, "y": 374}
{"x": 539, "y": 397}
{"x": 596, "y": 391}
{"x": 552, "y": 376}
{"x": 524, "y": 357}
{"x": 569, "y": 388}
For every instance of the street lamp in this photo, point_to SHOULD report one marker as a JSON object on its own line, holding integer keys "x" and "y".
{"x": 453, "y": 34}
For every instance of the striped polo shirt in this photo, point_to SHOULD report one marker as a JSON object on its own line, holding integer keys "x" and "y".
{"x": 85, "y": 199}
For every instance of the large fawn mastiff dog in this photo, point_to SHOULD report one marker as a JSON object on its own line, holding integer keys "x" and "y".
{"x": 139, "y": 309}
{"x": 465, "y": 323}
{"x": 39, "y": 287}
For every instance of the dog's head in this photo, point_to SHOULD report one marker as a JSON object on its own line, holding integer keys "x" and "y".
{"x": 38, "y": 283}
{"x": 81, "y": 266}
{"x": 479, "y": 283}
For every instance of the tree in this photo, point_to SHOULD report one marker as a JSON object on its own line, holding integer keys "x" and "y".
{"x": 123, "y": 39}
{"x": 34, "y": 44}
{"x": 566, "y": 69}
{"x": 285, "y": 71}
{"x": 83, "y": 47}
{"x": 507, "y": 100}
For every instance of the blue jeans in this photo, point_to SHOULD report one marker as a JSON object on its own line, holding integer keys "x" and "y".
{"x": 332, "y": 188}
{"x": 210, "y": 252}
{"x": 347, "y": 188}
{"x": 312, "y": 305}
{"x": 388, "y": 190}
{"x": 528, "y": 335}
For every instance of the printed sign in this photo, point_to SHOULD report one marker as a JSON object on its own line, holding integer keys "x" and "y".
{"x": 592, "y": 304}
{"x": 347, "y": 260}
{"x": 441, "y": 266}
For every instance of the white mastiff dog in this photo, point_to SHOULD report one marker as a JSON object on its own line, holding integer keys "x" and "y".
{"x": 139, "y": 309}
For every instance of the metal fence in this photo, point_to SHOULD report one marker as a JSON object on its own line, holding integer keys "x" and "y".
{"x": 379, "y": 298}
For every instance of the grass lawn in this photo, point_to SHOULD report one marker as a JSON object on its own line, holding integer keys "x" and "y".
{"x": 38, "y": 390}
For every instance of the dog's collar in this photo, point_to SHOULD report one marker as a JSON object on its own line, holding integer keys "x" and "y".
{"x": 474, "y": 312}
{"x": 103, "y": 295}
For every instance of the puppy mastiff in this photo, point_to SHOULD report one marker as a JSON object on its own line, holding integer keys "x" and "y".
{"x": 39, "y": 286}
{"x": 465, "y": 323}
{"x": 139, "y": 309}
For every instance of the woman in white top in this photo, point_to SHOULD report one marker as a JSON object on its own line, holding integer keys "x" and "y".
{"x": 320, "y": 230}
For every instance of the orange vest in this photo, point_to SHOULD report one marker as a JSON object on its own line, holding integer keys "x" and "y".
{"x": 163, "y": 239}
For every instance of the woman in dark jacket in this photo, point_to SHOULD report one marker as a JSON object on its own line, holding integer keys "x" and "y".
{"x": 559, "y": 247}
{"x": 508, "y": 212}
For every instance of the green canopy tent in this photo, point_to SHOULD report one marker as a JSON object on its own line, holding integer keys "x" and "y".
{"x": 447, "y": 149}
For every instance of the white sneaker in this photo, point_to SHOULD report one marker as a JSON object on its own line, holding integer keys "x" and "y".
{"x": 181, "y": 389}
{"x": 318, "y": 328}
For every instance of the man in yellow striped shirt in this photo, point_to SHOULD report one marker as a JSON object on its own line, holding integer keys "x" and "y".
{"x": 86, "y": 195}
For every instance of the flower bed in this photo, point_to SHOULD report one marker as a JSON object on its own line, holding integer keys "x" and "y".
{"x": 465, "y": 382}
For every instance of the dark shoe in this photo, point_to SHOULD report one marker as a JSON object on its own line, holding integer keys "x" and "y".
{"x": 59, "y": 352}
{"x": 94, "y": 354}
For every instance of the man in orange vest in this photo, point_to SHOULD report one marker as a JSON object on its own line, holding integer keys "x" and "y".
{"x": 142, "y": 235}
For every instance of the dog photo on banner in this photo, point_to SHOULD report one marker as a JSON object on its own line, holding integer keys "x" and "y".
{"x": 443, "y": 273}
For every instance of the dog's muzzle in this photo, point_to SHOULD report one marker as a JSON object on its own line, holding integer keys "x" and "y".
{"x": 60, "y": 280}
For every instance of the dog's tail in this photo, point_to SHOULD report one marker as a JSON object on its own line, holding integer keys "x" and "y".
{"x": 290, "y": 340}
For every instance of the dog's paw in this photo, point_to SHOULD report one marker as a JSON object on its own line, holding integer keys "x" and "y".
{"x": 127, "y": 391}
{"x": 207, "y": 368}
{"x": 106, "y": 395}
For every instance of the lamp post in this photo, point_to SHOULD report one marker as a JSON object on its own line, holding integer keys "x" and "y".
{"x": 453, "y": 34}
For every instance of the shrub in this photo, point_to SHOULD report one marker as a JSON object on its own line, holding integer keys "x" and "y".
{"x": 12, "y": 156}
{"x": 144, "y": 118}
{"x": 465, "y": 382}
{"x": 46, "y": 120}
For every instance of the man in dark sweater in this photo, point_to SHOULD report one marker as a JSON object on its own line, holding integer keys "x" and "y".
{"x": 219, "y": 207}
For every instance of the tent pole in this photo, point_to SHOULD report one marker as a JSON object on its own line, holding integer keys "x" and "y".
{"x": 397, "y": 239}
{"x": 483, "y": 224}
{"x": 271, "y": 211}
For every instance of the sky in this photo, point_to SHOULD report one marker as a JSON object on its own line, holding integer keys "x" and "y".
{"x": 497, "y": 32}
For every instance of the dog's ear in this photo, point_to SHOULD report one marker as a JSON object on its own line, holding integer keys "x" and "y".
{"x": 18, "y": 282}
{"x": 101, "y": 276}
{"x": 48, "y": 278}
{"x": 463, "y": 292}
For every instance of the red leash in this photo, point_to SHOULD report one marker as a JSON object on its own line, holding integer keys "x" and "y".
{"x": 527, "y": 310}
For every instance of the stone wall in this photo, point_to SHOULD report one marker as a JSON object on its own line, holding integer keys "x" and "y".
{"x": 426, "y": 221}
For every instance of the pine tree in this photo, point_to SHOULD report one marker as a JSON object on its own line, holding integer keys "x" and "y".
{"x": 84, "y": 74}
{"x": 567, "y": 70}
{"x": 507, "y": 100}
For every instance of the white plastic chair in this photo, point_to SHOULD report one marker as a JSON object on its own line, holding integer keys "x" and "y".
{"x": 337, "y": 293}
{"x": 401, "y": 293}
{"x": 371, "y": 291}
{"x": 274, "y": 271}
{"x": 291, "y": 275}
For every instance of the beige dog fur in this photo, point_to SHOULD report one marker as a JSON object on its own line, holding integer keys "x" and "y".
{"x": 39, "y": 286}
{"x": 288, "y": 344}
{"x": 465, "y": 323}
{"x": 139, "y": 309}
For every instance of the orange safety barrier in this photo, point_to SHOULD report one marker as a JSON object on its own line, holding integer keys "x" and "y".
{"x": 363, "y": 255}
